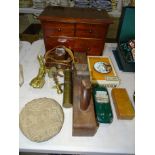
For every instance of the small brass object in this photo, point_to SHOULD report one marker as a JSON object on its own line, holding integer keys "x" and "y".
{"x": 39, "y": 80}
{"x": 53, "y": 73}
{"x": 67, "y": 97}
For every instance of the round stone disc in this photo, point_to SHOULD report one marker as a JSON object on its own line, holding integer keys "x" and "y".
{"x": 41, "y": 119}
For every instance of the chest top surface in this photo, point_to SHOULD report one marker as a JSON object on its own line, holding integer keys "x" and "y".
{"x": 57, "y": 13}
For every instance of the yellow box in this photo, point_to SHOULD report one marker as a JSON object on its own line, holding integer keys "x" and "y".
{"x": 123, "y": 105}
{"x": 109, "y": 78}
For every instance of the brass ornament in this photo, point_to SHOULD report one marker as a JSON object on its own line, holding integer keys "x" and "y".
{"x": 53, "y": 73}
{"x": 39, "y": 80}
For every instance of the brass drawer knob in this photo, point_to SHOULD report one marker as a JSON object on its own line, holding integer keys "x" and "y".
{"x": 90, "y": 31}
{"x": 62, "y": 40}
{"x": 59, "y": 29}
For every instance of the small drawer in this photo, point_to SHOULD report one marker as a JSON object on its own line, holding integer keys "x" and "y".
{"x": 90, "y": 46}
{"x": 91, "y": 30}
{"x": 51, "y": 42}
{"x": 58, "y": 29}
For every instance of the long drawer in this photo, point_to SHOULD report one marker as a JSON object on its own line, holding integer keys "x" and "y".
{"x": 90, "y": 46}
{"x": 58, "y": 29}
{"x": 91, "y": 30}
{"x": 51, "y": 42}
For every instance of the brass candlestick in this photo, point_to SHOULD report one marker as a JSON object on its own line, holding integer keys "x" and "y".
{"x": 53, "y": 73}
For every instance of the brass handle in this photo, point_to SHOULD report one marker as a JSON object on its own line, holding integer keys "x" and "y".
{"x": 62, "y": 40}
{"x": 88, "y": 49}
{"x": 85, "y": 94}
{"x": 59, "y": 29}
{"x": 90, "y": 31}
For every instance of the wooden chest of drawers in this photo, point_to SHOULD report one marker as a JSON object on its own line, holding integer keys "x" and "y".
{"x": 80, "y": 29}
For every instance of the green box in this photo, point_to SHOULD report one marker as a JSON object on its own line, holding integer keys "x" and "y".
{"x": 126, "y": 32}
{"x": 126, "y": 29}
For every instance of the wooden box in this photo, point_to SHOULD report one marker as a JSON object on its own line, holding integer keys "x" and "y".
{"x": 81, "y": 29}
{"x": 109, "y": 79}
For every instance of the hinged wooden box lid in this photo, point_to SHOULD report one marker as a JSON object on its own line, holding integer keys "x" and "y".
{"x": 58, "y": 13}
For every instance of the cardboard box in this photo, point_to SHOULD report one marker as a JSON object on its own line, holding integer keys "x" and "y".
{"x": 105, "y": 78}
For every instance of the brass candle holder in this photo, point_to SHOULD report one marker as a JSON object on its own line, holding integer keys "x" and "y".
{"x": 53, "y": 73}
